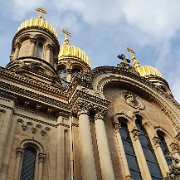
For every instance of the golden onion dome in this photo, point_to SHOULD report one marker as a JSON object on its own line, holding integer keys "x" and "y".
{"x": 38, "y": 23}
{"x": 71, "y": 51}
{"x": 148, "y": 71}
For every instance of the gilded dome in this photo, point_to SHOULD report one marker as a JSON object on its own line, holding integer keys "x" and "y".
{"x": 71, "y": 51}
{"x": 38, "y": 23}
{"x": 148, "y": 71}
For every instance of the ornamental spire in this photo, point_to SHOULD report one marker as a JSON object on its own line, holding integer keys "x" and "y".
{"x": 41, "y": 11}
{"x": 68, "y": 34}
{"x": 135, "y": 61}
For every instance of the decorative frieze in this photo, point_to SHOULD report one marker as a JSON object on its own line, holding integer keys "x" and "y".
{"x": 34, "y": 128}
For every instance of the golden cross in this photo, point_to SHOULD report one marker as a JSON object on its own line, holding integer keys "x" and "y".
{"x": 68, "y": 34}
{"x": 132, "y": 53}
{"x": 42, "y": 11}
{"x": 135, "y": 61}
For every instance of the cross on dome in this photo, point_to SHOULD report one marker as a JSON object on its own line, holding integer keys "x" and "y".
{"x": 42, "y": 12}
{"x": 68, "y": 34}
{"x": 135, "y": 61}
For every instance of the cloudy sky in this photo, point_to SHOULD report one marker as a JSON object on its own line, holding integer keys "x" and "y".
{"x": 104, "y": 28}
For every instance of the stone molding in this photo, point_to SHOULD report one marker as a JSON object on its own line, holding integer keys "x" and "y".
{"x": 135, "y": 134}
{"x": 174, "y": 147}
{"x": 156, "y": 141}
{"x": 19, "y": 152}
{"x": 41, "y": 157}
{"x": 33, "y": 40}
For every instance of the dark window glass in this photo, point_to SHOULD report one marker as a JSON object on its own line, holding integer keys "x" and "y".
{"x": 75, "y": 71}
{"x": 62, "y": 73}
{"x": 39, "y": 50}
{"x": 149, "y": 153}
{"x": 129, "y": 151}
{"x": 164, "y": 147}
{"x": 28, "y": 165}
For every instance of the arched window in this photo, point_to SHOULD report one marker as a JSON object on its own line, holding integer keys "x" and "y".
{"x": 28, "y": 164}
{"x": 149, "y": 153}
{"x": 164, "y": 146}
{"x": 75, "y": 71}
{"x": 39, "y": 50}
{"x": 62, "y": 74}
{"x": 129, "y": 151}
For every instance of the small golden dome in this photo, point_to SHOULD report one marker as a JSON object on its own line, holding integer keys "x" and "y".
{"x": 148, "y": 71}
{"x": 71, "y": 51}
{"x": 38, "y": 23}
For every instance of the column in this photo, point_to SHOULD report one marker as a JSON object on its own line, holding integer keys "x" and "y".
{"x": 19, "y": 154}
{"x": 32, "y": 48}
{"x": 122, "y": 152}
{"x": 41, "y": 158}
{"x": 103, "y": 148}
{"x": 48, "y": 54}
{"x": 140, "y": 154}
{"x": 17, "y": 48}
{"x": 69, "y": 75}
{"x": 88, "y": 170}
{"x": 60, "y": 170}
{"x": 160, "y": 156}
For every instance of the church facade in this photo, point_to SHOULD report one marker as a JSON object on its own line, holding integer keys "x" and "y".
{"x": 61, "y": 120}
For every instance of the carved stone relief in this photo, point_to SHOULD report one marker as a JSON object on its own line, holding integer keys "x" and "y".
{"x": 34, "y": 128}
{"x": 132, "y": 100}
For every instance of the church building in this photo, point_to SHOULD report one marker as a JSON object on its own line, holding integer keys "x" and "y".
{"x": 61, "y": 119}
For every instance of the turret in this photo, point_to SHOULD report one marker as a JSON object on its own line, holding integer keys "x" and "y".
{"x": 71, "y": 60}
{"x": 35, "y": 43}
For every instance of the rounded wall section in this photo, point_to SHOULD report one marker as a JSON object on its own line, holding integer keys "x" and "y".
{"x": 145, "y": 93}
{"x": 36, "y": 43}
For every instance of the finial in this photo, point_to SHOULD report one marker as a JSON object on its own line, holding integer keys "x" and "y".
{"x": 68, "y": 34}
{"x": 42, "y": 11}
{"x": 135, "y": 61}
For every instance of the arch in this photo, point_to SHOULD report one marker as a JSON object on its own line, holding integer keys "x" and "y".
{"x": 102, "y": 79}
{"x": 116, "y": 118}
{"x": 33, "y": 143}
{"x": 167, "y": 136}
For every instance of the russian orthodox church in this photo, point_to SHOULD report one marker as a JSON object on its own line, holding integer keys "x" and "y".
{"x": 60, "y": 119}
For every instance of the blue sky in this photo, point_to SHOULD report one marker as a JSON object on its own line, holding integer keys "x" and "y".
{"x": 104, "y": 28}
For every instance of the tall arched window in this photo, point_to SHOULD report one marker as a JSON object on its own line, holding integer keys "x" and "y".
{"x": 28, "y": 164}
{"x": 129, "y": 151}
{"x": 39, "y": 50}
{"x": 148, "y": 152}
{"x": 164, "y": 146}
